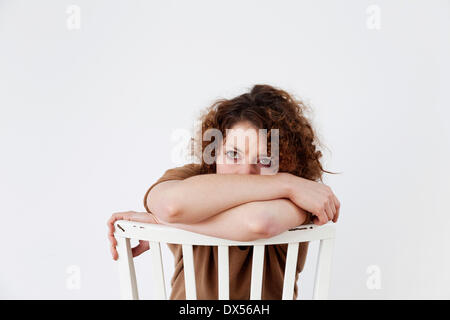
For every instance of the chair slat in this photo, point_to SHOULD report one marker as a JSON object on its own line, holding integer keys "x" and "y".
{"x": 323, "y": 269}
{"x": 127, "y": 273}
{"x": 289, "y": 271}
{"x": 189, "y": 272}
{"x": 223, "y": 273}
{"x": 158, "y": 270}
{"x": 257, "y": 272}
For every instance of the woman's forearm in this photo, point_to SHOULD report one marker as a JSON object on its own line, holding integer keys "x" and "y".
{"x": 249, "y": 221}
{"x": 203, "y": 196}
{"x": 281, "y": 215}
{"x": 229, "y": 224}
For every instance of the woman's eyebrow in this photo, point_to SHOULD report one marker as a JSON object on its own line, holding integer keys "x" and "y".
{"x": 235, "y": 148}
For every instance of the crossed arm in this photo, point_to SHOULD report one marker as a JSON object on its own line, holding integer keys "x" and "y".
{"x": 249, "y": 221}
{"x": 236, "y": 207}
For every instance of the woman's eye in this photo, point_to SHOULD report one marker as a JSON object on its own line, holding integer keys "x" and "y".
{"x": 265, "y": 161}
{"x": 232, "y": 154}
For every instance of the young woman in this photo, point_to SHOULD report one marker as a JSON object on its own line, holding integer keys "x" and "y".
{"x": 233, "y": 197}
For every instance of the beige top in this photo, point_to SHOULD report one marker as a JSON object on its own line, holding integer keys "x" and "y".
{"x": 240, "y": 258}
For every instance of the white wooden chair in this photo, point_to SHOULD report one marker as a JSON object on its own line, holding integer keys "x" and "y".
{"x": 156, "y": 234}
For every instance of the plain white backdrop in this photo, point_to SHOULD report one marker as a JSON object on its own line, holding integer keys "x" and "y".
{"x": 89, "y": 103}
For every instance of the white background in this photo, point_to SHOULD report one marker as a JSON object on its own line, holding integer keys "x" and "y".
{"x": 87, "y": 117}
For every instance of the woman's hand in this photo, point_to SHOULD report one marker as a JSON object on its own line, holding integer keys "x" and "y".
{"x": 313, "y": 197}
{"x": 130, "y": 216}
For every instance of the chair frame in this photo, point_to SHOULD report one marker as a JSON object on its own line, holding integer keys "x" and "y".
{"x": 155, "y": 234}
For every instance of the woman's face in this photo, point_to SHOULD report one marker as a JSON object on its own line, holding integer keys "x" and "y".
{"x": 241, "y": 151}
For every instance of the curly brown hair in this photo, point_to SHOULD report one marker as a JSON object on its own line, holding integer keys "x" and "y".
{"x": 267, "y": 107}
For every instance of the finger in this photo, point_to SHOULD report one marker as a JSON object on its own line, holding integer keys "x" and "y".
{"x": 115, "y": 217}
{"x": 335, "y": 219}
{"x": 316, "y": 220}
{"x": 324, "y": 216}
{"x": 320, "y": 218}
{"x": 112, "y": 239}
{"x": 111, "y": 221}
{"x": 110, "y": 224}
{"x": 333, "y": 208}
{"x": 114, "y": 253}
{"x": 337, "y": 206}
{"x": 112, "y": 229}
{"x": 336, "y": 216}
{"x": 329, "y": 212}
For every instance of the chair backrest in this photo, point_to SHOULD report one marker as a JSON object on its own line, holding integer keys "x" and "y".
{"x": 156, "y": 234}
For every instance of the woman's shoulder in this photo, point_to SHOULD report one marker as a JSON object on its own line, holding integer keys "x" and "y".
{"x": 185, "y": 171}
{"x": 195, "y": 167}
